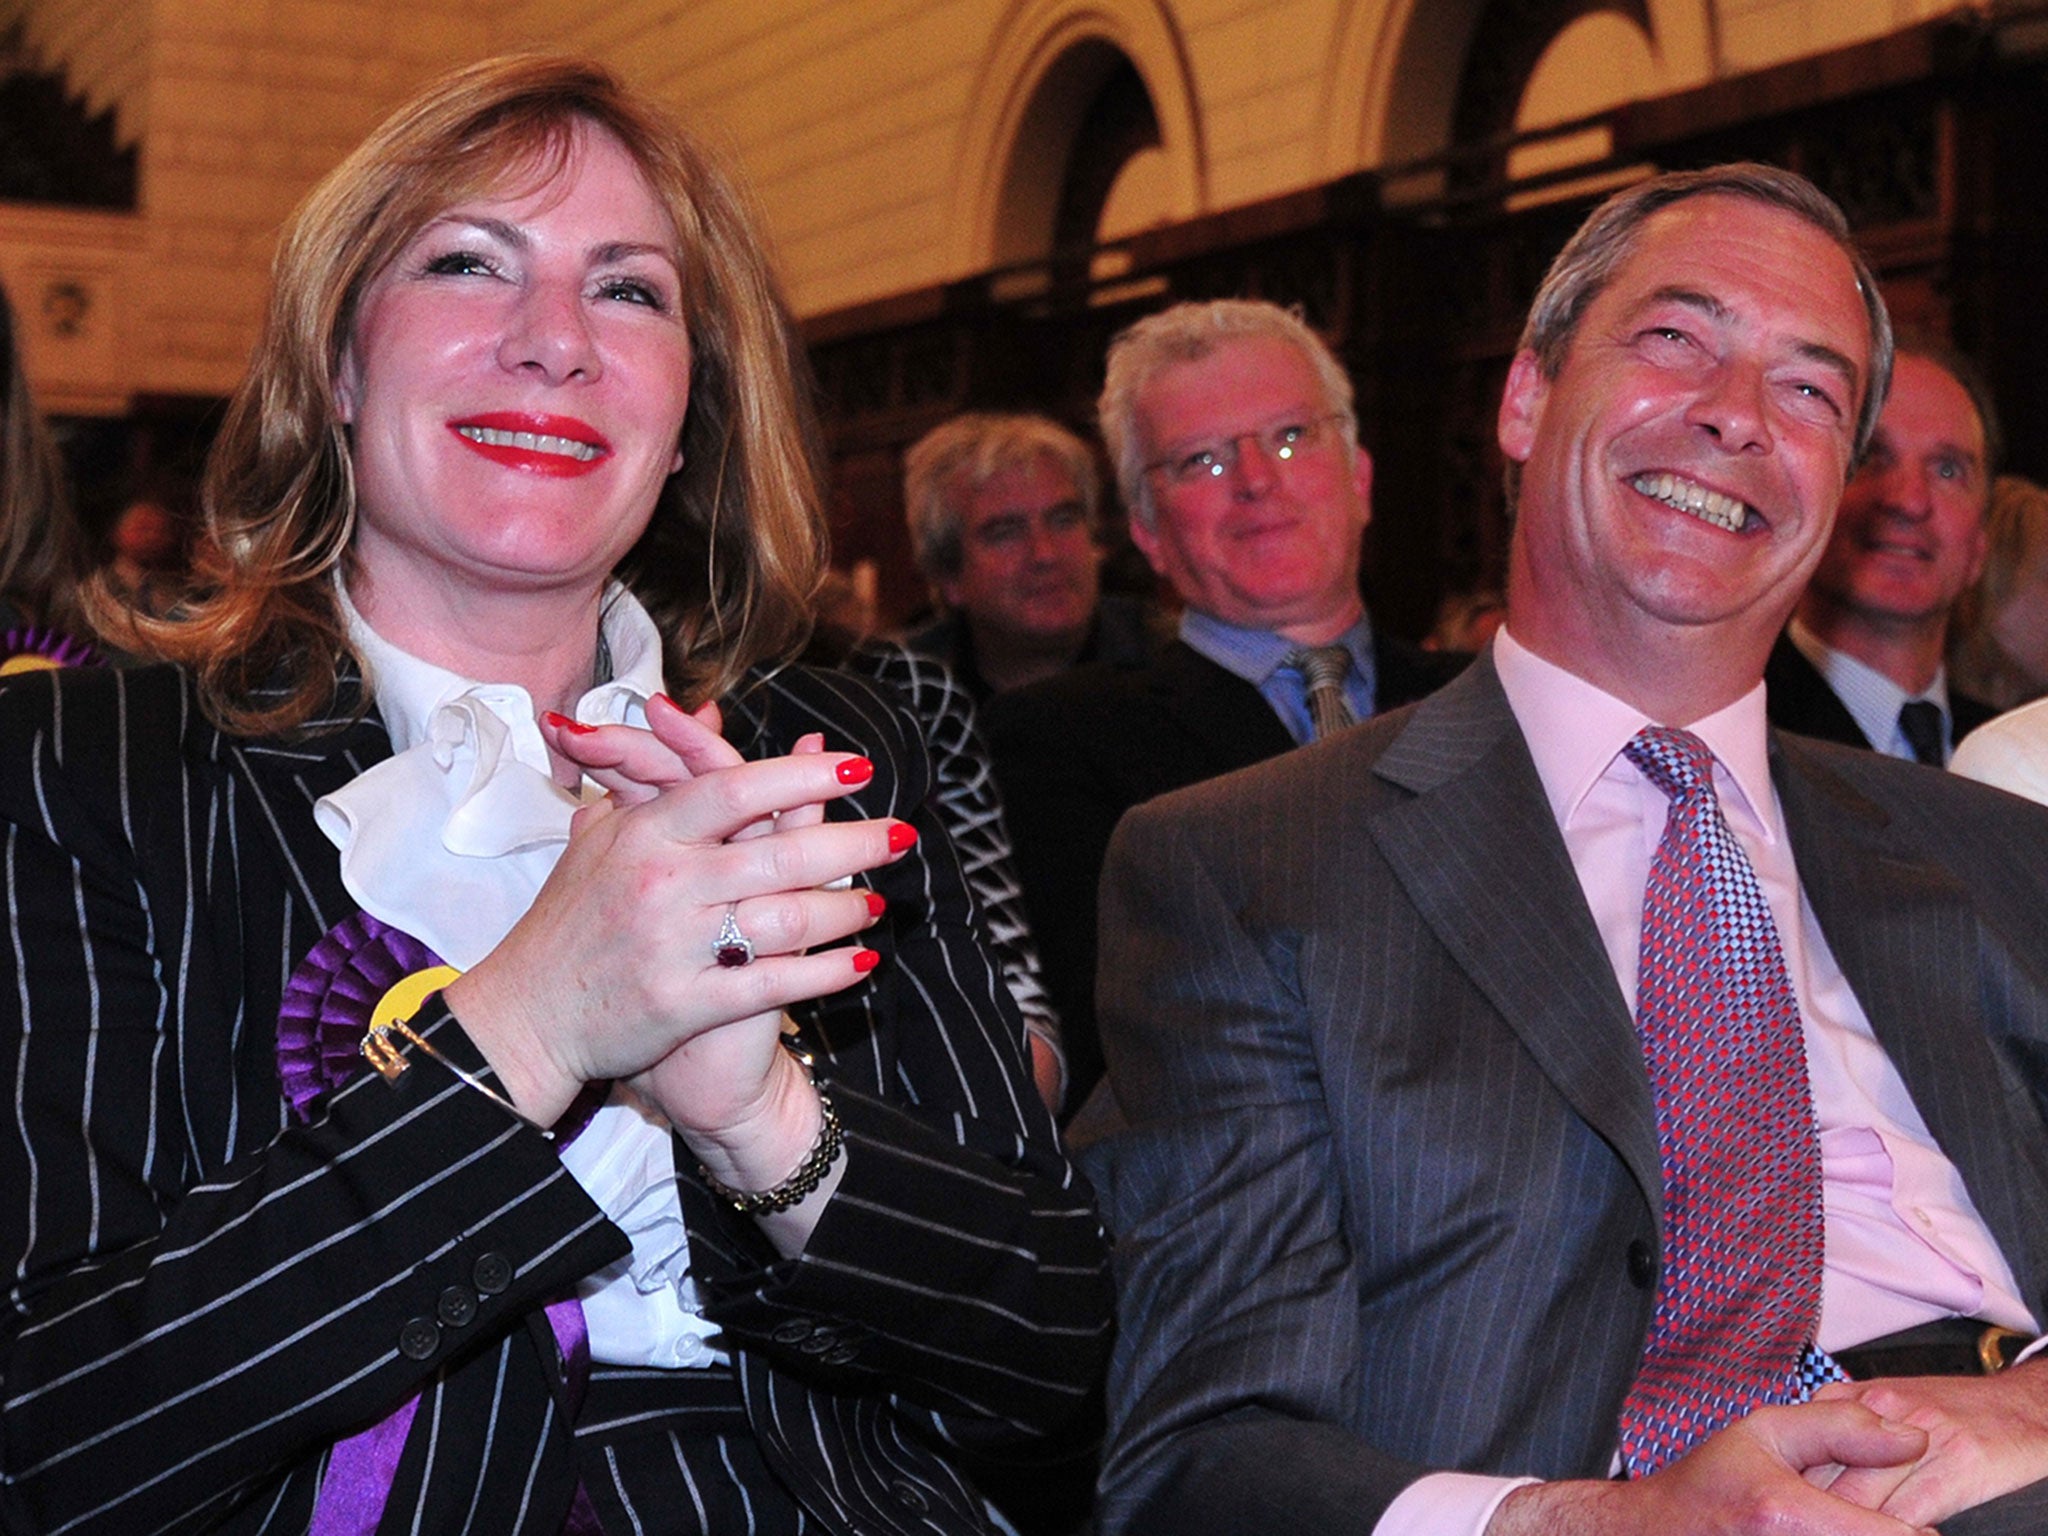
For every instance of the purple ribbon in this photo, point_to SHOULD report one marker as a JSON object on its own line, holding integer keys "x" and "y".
{"x": 325, "y": 1012}
{"x": 330, "y": 999}
{"x": 572, "y": 1338}
{"x": 50, "y": 646}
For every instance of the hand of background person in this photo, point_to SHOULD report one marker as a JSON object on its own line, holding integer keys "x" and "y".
{"x": 1986, "y": 1436}
{"x": 1766, "y": 1475}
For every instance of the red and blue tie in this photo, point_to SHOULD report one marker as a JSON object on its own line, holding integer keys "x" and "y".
{"x": 1738, "y": 1293}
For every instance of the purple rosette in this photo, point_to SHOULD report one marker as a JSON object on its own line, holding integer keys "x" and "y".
{"x": 360, "y": 970}
{"x": 34, "y": 647}
{"x": 331, "y": 999}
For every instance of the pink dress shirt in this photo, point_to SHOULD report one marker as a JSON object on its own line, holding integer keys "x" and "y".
{"x": 1904, "y": 1242}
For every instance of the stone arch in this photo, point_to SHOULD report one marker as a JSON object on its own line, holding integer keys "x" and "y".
{"x": 1035, "y": 86}
{"x": 1394, "y": 86}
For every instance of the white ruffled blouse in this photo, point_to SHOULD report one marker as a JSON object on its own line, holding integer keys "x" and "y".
{"x": 450, "y": 839}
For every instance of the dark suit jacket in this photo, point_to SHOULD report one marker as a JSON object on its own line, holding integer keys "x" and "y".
{"x": 1390, "y": 1198}
{"x": 1075, "y": 752}
{"x": 206, "y": 1295}
{"x": 1798, "y": 698}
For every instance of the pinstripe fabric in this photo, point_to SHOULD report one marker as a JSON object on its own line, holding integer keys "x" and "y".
{"x": 1392, "y": 1138}
{"x": 203, "y": 1296}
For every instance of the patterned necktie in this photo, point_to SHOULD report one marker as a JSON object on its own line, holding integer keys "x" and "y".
{"x": 1738, "y": 1294}
{"x": 1323, "y": 669}
{"x": 1920, "y": 723}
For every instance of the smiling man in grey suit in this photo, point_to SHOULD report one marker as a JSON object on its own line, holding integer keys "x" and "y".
{"x": 1423, "y": 1193}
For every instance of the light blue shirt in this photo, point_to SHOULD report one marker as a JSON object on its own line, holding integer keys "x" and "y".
{"x": 1257, "y": 655}
{"x": 1872, "y": 699}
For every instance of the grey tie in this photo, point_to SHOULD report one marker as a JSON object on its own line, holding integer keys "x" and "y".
{"x": 1323, "y": 669}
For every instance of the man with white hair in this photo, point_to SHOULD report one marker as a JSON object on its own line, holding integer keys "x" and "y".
{"x": 1231, "y": 428}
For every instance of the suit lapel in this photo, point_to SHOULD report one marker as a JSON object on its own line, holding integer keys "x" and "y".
{"x": 1799, "y": 699}
{"x": 1480, "y": 856}
{"x": 1906, "y": 934}
{"x": 1224, "y": 715}
{"x": 285, "y": 778}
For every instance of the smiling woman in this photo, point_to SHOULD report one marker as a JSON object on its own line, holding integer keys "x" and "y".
{"x": 457, "y": 1084}
{"x": 540, "y": 332}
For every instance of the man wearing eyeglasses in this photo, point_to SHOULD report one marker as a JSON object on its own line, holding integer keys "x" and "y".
{"x": 1231, "y": 429}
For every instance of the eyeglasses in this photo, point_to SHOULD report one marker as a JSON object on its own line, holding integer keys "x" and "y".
{"x": 1283, "y": 440}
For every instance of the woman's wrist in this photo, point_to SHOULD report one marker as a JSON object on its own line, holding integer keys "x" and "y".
{"x": 763, "y": 1148}
{"x": 496, "y": 1025}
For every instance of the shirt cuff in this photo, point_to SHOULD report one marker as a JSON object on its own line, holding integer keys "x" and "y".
{"x": 1447, "y": 1504}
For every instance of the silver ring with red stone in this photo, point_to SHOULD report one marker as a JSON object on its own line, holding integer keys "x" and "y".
{"x": 732, "y": 949}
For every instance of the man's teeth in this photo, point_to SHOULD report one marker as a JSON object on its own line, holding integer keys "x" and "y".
{"x": 1711, "y": 506}
{"x": 532, "y": 442}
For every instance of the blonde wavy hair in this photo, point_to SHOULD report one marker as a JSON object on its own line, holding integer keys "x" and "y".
{"x": 736, "y": 546}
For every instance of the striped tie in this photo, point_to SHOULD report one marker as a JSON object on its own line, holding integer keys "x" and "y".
{"x": 1323, "y": 669}
{"x": 1738, "y": 1292}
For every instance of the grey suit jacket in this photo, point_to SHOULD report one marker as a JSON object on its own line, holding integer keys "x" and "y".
{"x": 1390, "y": 1198}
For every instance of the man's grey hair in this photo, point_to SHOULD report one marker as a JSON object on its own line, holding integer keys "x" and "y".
{"x": 1607, "y": 239}
{"x": 1187, "y": 333}
{"x": 958, "y": 457}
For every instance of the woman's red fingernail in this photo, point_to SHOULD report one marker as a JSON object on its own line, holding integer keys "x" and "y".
{"x": 865, "y": 960}
{"x": 855, "y": 770}
{"x": 877, "y": 904}
{"x": 902, "y": 835}
{"x": 564, "y": 723}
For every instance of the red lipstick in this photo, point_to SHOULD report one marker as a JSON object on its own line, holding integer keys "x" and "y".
{"x": 534, "y": 443}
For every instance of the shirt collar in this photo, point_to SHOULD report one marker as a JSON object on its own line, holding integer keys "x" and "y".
{"x": 1576, "y": 732}
{"x": 1253, "y": 654}
{"x": 1871, "y": 697}
{"x": 409, "y": 690}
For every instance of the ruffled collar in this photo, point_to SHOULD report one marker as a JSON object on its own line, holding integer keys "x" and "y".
{"x": 451, "y": 836}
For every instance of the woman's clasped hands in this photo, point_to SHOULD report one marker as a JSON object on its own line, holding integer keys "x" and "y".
{"x": 614, "y": 971}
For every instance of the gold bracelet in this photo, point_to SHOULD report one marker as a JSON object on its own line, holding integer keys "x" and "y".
{"x": 809, "y": 1174}
{"x": 390, "y": 1062}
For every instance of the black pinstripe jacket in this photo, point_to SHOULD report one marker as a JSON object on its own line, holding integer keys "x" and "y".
{"x": 204, "y": 1296}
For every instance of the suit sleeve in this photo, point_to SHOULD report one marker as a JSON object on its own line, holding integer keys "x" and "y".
{"x": 962, "y": 1265}
{"x": 1233, "y": 1386}
{"x": 203, "y": 1298}
{"x": 964, "y": 786}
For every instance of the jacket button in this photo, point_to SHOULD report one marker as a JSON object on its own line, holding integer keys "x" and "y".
{"x": 909, "y": 1495}
{"x": 1642, "y": 1264}
{"x": 840, "y": 1354}
{"x": 419, "y": 1338}
{"x": 795, "y": 1331}
{"x": 457, "y": 1306}
{"x": 493, "y": 1274}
